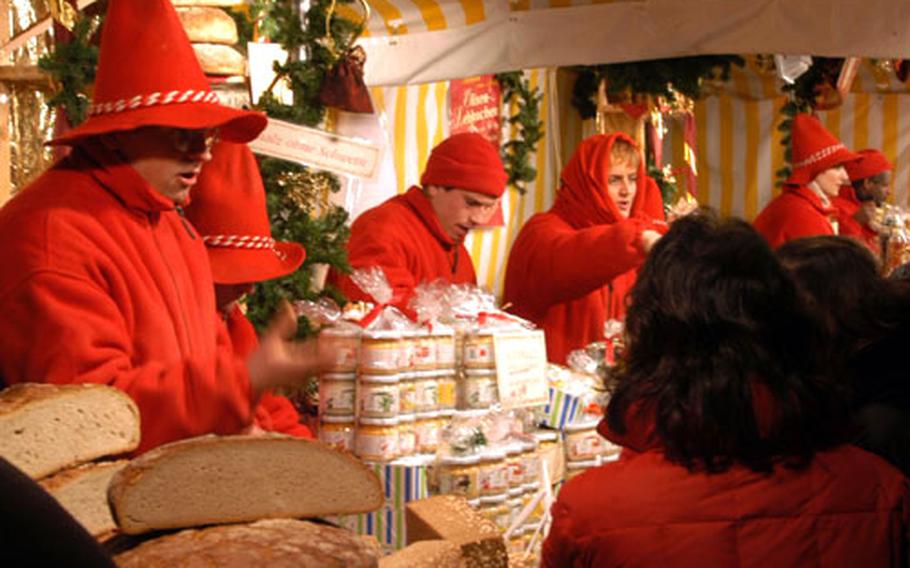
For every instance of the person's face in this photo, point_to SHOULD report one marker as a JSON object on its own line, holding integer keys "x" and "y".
{"x": 460, "y": 210}
{"x": 227, "y": 294}
{"x": 876, "y": 188}
{"x": 169, "y": 159}
{"x": 621, "y": 186}
{"x": 831, "y": 180}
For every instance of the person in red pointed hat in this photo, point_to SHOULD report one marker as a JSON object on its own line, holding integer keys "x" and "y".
{"x": 419, "y": 236}
{"x": 105, "y": 281}
{"x": 857, "y": 204}
{"x": 571, "y": 267}
{"x": 229, "y": 212}
{"x": 804, "y": 208}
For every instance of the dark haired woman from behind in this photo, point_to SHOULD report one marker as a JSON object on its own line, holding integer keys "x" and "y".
{"x": 733, "y": 440}
{"x": 868, "y": 317}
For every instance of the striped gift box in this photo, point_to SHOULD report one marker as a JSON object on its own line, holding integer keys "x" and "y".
{"x": 562, "y": 409}
{"x": 402, "y": 481}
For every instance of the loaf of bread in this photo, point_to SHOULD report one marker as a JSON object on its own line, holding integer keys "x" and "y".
{"x": 235, "y": 479}
{"x": 425, "y": 554}
{"x": 82, "y": 491}
{"x": 219, "y": 59}
{"x": 273, "y": 543}
{"x": 46, "y": 428}
{"x": 208, "y": 25}
{"x": 448, "y": 517}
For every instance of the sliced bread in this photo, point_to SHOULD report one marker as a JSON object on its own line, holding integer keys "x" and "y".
{"x": 46, "y": 428}
{"x": 449, "y": 517}
{"x": 82, "y": 491}
{"x": 270, "y": 543}
{"x": 425, "y": 554}
{"x": 235, "y": 479}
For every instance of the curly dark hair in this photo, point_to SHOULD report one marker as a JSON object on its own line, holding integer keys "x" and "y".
{"x": 842, "y": 281}
{"x": 722, "y": 355}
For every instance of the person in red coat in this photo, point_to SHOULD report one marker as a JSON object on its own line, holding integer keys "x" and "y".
{"x": 804, "y": 208}
{"x": 570, "y": 267}
{"x": 104, "y": 280}
{"x": 732, "y": 430}
{"x": 856, "y": 204}
{"x": 418, "y": 236}
{"x": 229, "y": 211}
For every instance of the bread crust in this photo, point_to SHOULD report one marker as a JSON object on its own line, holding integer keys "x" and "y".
{"x": 219, "y": 59}
{"x": 208, "y": 25}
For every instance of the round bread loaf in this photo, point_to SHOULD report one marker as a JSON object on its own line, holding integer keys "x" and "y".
{"x": 208, "y": 25}
{"x": 219, "y": 59}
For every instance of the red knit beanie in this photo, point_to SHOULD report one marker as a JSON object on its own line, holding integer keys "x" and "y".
{"x": 466, "y": 161}
{"x": 871, "y": 162}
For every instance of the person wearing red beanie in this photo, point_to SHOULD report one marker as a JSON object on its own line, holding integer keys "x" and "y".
{"x": 857, "y": 203}
{"x": 571, "y": 267}
{"x": 419, "y": 236}
{"x": 804, "y": 207}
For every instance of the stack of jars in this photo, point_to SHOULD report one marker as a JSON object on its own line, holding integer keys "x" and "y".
{"x": 337, "y": 387}
{"x": 477, "y": 387}
{"x": 384, "y": 357}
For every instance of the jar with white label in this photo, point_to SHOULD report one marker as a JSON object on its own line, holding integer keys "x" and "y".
{"x": 459, "y": 475}
{"x": 494, "y": 477}
{"x": 478, "y": 350}
{"x": 426, "y": 387}
{"x": 342, "y": 343}
{"x": 376, "y": 439}
{"x": 582, "y": 441}
{"x": 515, "y": 468}
{"x": 444, "y": 340}
{"x": 337, "y": 394}
{"x": 426, "y": 428}
{"x": 477, "y": 389}
{"x": 383, "y": 352}
{"x": 407, "y": 436}
{"x": 378, "y": 396}
{"x": 337, "y": 432}
{"x": 424, "y": 354}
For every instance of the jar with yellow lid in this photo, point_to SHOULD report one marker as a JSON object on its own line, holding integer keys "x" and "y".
{"x": 477, "y": 389}
{"x": 337, "y": 432}
{"x": 478, "y": 350}
{"x": 446, "y": 387}
{"x": 343, "y": 343}
{"x": 582, "y": 441}
{"x": 407, "y": 390}
{"x": 426, "y": 386}
{"x": 426, "y": 429}
{"x": 458, "y": 475}
{"x": 376, "y": 439}
{"x": 379, "y": 396}
{"x": 493, "y": 474}
{"x": 337, "y": 394}
{"x": 407, "y": 437}
{"x": 383, "y": 352}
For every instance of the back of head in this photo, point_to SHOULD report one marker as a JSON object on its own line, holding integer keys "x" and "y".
{"x": 721, "y": 354}
{"x": 466, "y": 161}
{"x": 840, "y": 279}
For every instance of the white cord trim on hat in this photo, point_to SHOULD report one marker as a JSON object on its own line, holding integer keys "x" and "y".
{"x": 153, "y": 99}
{"x": 244, "y": 242}
{"x": 819, "y": 155}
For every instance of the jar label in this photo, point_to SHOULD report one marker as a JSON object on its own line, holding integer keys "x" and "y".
{"x": 377, "y": 446}
{"x": 387, "y": 356}
{"x": 462, "y": 483}
{"x": 446, "y": 394}
{"x": 339, "y": 439}
{"x": 583, "y": 445}
{"x": 336, "y": 397}
{"x": 379, "y": 400}
{"x": 478, "y": 352}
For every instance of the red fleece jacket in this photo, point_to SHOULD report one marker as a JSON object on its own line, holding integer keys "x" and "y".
{"x": 570, "y": 268}
{"x": 403, "y": 237}
{"x": 104, "y": 282}
{"x": 796, "y": 212}
{"x": 847, "y": 508}
{"x": 273, "y": 413}
{"x": 847, "y": 206}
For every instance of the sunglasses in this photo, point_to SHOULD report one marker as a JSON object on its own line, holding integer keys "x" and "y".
{"x": 189, "y": 141}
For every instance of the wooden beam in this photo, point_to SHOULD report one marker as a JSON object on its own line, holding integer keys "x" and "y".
{"x": 23, "y": 74}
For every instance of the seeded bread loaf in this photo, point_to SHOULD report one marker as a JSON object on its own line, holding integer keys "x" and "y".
{"x": 82, "y": 491}
{"x": 425, "y": 554}
{"x": 46, "y": 428}
{"x": 449, "y": 517}
{"x": 219, "y": 59}
{"x": 208, "y": 25}
{"x": 273, "y": 543}
{"x": 235, "y": 479}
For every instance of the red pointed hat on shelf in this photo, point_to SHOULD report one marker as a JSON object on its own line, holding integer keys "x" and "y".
{"x": 229, "y": 211}
{"x": 814, "y": 150}
{"x": 148, "y": 75}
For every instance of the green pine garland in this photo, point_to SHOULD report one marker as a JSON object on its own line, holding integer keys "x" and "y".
{"x": 72, "y": 67}
{"x": 516, "y": 154}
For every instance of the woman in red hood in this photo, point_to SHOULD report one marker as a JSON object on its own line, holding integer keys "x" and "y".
{"x": 733, "y": 438}
{"x": 570, "y": 267}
